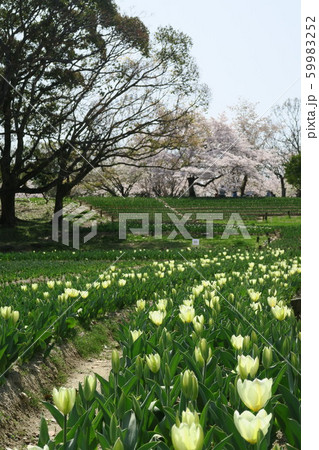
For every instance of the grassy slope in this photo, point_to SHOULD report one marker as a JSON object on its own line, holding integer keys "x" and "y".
{"x": 29, "y": 252}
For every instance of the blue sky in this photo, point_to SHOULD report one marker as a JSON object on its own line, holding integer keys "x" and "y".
{"x": 244, "y": 48}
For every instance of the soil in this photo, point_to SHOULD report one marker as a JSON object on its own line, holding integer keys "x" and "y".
{"x": 27, "y": 386}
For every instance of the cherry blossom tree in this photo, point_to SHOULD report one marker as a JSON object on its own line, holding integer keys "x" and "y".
{"x": 220, "y": 155}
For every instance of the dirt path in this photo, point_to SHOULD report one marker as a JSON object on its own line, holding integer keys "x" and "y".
{"x": 101, "y": 366}
{"x": 20, "y": 398}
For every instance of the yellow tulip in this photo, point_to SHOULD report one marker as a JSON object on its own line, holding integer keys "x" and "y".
{"x": 64, "y": 399}
{"x": 153, "y": 362}
{"x": 5, "y": 312}
{"x": 254, "y": 296}
{"x": 249, "y": 425}
{"x": 237, "y": 342}
{"x": 71, "y": 292}
{"x": 136, "y": 334}
{"x": 188, "y": 302}
{"x": 256, "y": 307}
{"x": 157, "y": 317}
{"x": 140, "y": 305}
{"x": 255, "y": 394}
{"x": 190, "y": 417}
{"x": 187, "y": 313}
{"x": 162, "y": 304}
{"x": 272, "y": 301}
{"x": 280, "y": 312}
{"x": 187, "y": 437}
{"x": 247, "y": 366}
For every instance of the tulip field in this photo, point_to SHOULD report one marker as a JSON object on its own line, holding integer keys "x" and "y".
{"x": 209, "y": 358}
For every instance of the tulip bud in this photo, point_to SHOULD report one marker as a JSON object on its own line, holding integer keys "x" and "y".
{"x": 231, "y": 297}
{"x": 115, "y": 361}
{"x": 199, "y": 357}
{"x": 267, "y": 357}
{"x": 211, "y": 322}
{"x": 194, "y": 337}
{"x": 169, "y": 339}
{"x": 89, "y": 387}
{"x": 255, "y": 350}
{"x": 15, "y": 316}
{"x": 205, "y": 350}
{"x": 118, "y": 445}
{"x": 294, "y": 360}
{"x": 153, "y": 362}
{"x": 64, "y": 399}
{"x": 246, "y": 343}
{"x": 198, "y": 327}
{"x": 285, "y": 346}
{"x": 121, "y": 406}
{"x": 139, "y": 367}
{"x": 189, "y": 385}
{"x": 254, "y": 337}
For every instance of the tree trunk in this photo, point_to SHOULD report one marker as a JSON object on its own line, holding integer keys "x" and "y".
{"x": 8, "y": 217}
{"x": 243, "y": 185}
{"x": 283, "y": 187}
{"x": 62, "y": 191}
{"x": 191, "y": 188}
